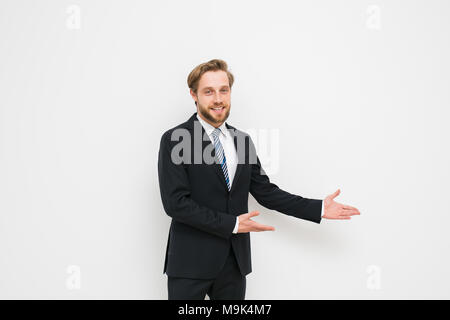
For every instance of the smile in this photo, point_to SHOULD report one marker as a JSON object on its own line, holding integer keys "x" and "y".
{"x": 218, "y": 110}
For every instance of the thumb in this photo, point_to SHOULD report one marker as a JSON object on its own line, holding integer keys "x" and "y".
{"x": 252, "y": 214}
{"x": 336, "y": 193}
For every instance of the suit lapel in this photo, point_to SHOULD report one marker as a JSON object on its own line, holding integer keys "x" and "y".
{"x": 215, "y": 166}
{"x": 240, "y": 160}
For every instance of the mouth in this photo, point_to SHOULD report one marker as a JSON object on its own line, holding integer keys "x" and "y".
{"x": 218, "y": 110}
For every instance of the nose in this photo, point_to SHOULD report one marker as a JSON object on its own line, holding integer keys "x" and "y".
{"x": 218, "y": 98}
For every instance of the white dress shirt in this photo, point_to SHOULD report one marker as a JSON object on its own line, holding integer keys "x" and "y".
{"x": 227, "y": 141}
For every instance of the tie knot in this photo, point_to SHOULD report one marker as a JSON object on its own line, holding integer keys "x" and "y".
{"x": 216, "y": 132}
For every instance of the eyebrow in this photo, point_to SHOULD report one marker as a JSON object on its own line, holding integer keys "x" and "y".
{"x": 226, "y": 86}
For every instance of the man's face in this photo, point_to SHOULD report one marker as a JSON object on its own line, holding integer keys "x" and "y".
{"x": 213, "y": 97}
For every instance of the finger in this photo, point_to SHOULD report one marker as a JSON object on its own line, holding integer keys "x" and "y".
{"x": 251, "y": 214}
{"x": 350, "y": 213}
{"x": 343, "y": 218}
{"x": 336, "y": 193}
{"x": 261, "y": 227}
{"x": 346, "y": 207}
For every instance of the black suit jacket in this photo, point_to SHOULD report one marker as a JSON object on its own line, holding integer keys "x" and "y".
{"x": 204, "y": 212}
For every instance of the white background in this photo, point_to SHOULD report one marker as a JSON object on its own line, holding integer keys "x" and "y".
{"x": 358, "y": 92}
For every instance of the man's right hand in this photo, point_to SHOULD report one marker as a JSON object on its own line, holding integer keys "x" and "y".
{"x": 248, "y": 225}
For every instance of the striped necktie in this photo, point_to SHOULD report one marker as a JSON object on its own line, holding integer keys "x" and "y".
{"x": 220, "y": 155}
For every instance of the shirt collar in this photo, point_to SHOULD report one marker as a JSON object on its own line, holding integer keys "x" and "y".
{"x": 209, "y": 128}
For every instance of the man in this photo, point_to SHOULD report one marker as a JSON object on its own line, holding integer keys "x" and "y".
{"x": 207, "y": 168}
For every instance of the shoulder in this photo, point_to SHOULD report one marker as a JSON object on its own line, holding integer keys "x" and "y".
{"x": 179, "y": 129}
{"x": 237, "y": 132}
{"x": 240, "y": 134}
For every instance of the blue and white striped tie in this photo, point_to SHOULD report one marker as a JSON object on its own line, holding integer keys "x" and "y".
{"x": 220, "y": 154}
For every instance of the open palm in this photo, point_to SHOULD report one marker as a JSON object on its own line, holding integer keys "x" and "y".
{"x": 336, "y": 210}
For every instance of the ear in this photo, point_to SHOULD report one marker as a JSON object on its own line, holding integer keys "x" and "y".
{"x": 193, "y": 95}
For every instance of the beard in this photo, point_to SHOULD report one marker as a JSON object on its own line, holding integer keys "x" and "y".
{"x": 210, "y": 115}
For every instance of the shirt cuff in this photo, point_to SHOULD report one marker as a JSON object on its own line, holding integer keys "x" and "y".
{"x": 322, "y": 209}
{"x": 236, "y": 227}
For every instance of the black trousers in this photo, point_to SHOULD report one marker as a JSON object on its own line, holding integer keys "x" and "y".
{"x": 230, "y": 284}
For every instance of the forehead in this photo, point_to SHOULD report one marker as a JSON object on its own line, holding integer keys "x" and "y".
{"x": 217, "y": 78}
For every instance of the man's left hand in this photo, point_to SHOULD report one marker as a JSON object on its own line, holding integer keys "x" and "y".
{"x": 336, "y": 210}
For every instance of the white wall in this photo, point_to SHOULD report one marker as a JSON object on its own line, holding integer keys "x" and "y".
{"x": 360, "y": 87}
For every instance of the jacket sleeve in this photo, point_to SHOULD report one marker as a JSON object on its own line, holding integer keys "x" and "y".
{"x": 272, "y": 197}
{"x": 176, "y": 197}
